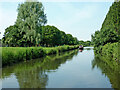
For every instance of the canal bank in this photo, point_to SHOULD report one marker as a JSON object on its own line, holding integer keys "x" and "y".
{"x": 12, "y": 55}
{"x": 71, "y": 69}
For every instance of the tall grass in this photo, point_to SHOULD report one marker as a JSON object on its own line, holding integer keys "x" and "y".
{"x": 11, "y": 55}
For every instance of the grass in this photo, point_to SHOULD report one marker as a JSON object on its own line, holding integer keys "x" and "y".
{"x": 11, "y": 55}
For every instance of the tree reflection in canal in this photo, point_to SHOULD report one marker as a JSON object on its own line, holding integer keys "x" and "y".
{"x": 33, "y": 74}
{"x": 109, "y": 68}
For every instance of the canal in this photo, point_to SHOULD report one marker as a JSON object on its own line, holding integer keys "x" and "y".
{"x": 72, "y": 69}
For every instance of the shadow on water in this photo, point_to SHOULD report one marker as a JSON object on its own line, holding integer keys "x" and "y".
{"x": 109, "y": 68}
{"x": 33, "y": 74}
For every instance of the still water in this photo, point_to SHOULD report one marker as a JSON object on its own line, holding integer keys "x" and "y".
{"x": 72, "y": 69}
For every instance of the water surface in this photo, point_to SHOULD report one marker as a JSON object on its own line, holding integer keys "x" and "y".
{"x": 73, "y": 69}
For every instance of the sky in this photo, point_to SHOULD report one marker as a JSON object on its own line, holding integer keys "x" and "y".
{"x": 81, "y": 19}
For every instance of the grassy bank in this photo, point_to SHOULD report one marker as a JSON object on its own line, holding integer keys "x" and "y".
{"x": 110, "y": 51}
{"x": 11, "y": 55}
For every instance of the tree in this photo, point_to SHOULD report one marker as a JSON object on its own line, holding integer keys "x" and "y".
{"x": 69, "y": 39}
{"x": 50, "y": 36}
{"x": 63, "y": 38}
{"x": 27, "y": 28}
{"x": 30, "y": 19}
{"x": 85, "y": 43}
{"x": 75, "y": 41}
{"x": 109, "y": 33}
{"x": 11, "y": 36}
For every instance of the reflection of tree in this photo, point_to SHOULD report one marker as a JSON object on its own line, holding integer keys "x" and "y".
{"x": 53, "y": 62}
{"x": 87, "y": 48}
{"x": 31, "y": 74}
{"x": 109, "y": 68}
{"x": 32, "y": 78}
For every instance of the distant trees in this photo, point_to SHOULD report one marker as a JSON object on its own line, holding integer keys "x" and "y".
{"x": 110, "y": 31}
{"x": 30, "y": 30}
{"x": 85, "y": 43}
{"x": 52, "y": 36}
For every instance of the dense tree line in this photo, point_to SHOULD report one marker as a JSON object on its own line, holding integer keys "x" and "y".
{"x": 110, "y": 31}
{"x": 85, "y": 43}
{"x": 30, "y": 30}
{"x": 52, "y": 36}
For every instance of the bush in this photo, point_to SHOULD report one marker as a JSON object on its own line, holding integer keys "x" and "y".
{"x": 109, "y": 50}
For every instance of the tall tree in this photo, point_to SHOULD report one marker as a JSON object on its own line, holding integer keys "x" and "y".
{"x": 110, "y": 31}
{"x": 29, "y": 21}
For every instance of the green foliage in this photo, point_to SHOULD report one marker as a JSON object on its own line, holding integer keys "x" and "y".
{"x": 107, "y": 58}
{"x": 27, "y": 29}
{"x": 11, "y": 55}
{"x": 52, "y": 36}
{"x": 30, "y": 19}
{"x": 11, "y": 36}
{"x": 110, "y": 51}
{"x": 71, "y": 40}
{"x": 110, "y": 27}
{"x": 63, "y": 38}
{"x": 85, "y": 43}
{"x": 50, "y": 51}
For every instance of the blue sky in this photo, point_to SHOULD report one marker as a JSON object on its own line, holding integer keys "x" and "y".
{"x": 81, "y": 19}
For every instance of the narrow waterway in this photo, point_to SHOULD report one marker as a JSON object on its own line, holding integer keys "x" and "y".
{"x": 72, "y": 69}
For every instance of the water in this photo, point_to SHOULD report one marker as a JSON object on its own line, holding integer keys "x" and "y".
{"x": 73, "y": 69}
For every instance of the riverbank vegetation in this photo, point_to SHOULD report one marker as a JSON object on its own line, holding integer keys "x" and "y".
{"x": 11, "y": 55}
{"x": 109, "y": 51}
{"x": 106, "y": 41}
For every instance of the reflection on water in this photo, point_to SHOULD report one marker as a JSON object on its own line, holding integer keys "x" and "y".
{"x": 109, "y": 68}
{"x": 32, "y": 74}
{"x": 81, "y": 50}
{"x": 72, "y": 69}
